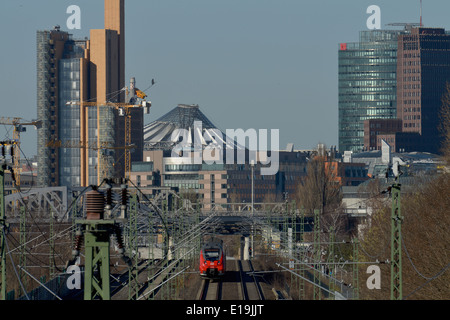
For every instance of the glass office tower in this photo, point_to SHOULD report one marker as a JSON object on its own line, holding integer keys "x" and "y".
{"x": 69, "y": 121}
{"x": 367, "y": 84}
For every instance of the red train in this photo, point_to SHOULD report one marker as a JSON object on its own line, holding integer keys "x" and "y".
{"x": 212, "y": 259}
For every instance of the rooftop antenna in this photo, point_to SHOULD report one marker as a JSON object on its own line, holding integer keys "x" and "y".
{"x": 421, "y": 24}
{"x": 407, "y": 25}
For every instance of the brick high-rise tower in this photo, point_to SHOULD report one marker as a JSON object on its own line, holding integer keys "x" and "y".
{"x": 423, "y": 68}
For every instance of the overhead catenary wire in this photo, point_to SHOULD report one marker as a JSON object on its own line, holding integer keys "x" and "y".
{"x": 32, "y": 217}
{"x": 438, "y": 274}
{"x": 52, "y": 248}
{"x": 14, "y": 266}
{"x": 412, "y": 263}
{"x": 43, "y": 285}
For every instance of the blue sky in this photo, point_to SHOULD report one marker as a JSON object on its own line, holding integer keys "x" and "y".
{"x": 262, "y": 64}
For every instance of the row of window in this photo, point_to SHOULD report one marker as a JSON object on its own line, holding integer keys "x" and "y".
{"x": 368, "y": 75}
{"x": 367, "y": 68}
{"x": 202, "y": 176}
{"x": 368, "y": 83}
{"x": 411, "y": 86}
{"x": 222, "y": 186}
{"x": 356, "y": 90}
{"x": 412, "y": 117}
{"x": 414, "y": 70}
{"x": 377, "y": 52}
{"x": 183, "y": 167}
{"x": 182, "y": 185}
{"x": 411, "y": 63}
{"x": 371, "y": 61}
{"x": 411, "y": 109}
{"x": 411, "y": 55}
{"x": 370, "y": 97}
{"x": 148, "y": 178}
{"x": 411, "y": 102}
{"x": 411, "y": 94}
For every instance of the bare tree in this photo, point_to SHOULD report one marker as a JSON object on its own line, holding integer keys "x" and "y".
{"x": 425, "y": 242}
{"x": 444, "y": 126}
{"x": 319, "y": 190}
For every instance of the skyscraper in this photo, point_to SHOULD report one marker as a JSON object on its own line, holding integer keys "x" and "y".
{"x": 423, "y": 70}
{"x": 83, "y": 70}
{"x": 62, "y": 69}
{"x": 367, "y": 84}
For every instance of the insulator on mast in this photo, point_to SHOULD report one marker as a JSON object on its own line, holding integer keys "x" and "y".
{"x": 124, "y": 201}
{"x": 95, "y": 205}
{"x": 78, "y": 241}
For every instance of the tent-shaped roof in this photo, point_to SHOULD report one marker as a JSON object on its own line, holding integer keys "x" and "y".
{"x": 164, "y": 132}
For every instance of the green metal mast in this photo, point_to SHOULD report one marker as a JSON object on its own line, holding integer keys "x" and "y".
{"x": 331, "y": 257}
{"x": 52, "y": 246}
{"x": 133, "y": 285}
{"x": 23, "y": 251}
{"x": 396, "y": 243}
{"x": 97, "y": 236}
{"x": 97, "y": 259}
{"x": 302, "y": 293}
{"x": 317, "y": 256}
{"x": 355, "y": 269}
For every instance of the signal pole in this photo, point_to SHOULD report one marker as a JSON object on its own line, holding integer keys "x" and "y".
{"x": 396, "y": 232}
{"x": 317, "y": 256}
{"x": 396, "y": 243}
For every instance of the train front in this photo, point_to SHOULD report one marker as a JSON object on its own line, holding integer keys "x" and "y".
{"x": 212, "y": 262}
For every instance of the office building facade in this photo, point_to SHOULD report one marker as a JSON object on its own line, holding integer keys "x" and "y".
{"x": 90, "y": 70}
{"x": 423, "y": 70}
{"x": 367, "y": 84}
{"x": 61, "y": 77}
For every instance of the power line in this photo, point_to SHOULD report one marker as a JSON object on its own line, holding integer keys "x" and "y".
{"x": 14, "y": 266}
{"x": 428, "y": 281}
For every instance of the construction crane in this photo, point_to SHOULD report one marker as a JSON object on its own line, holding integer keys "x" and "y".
{"x": 19, "y": 127}
{"x": 124, "y": 110}
{"x": 102, "y": 149}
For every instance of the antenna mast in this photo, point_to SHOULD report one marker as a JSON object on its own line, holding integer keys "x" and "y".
{"x": 421, "y": 24}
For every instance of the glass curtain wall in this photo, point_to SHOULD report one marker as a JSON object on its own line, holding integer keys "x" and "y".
{"x": 69, "y": 122}
{"x": 367, "y": 84}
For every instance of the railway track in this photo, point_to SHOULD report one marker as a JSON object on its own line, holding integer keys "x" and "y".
{"x": 236, "y": 284}
{"x": 210, "y": 290}
{"x": 251, "y": 289}
{"x": 163, "y": 268}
